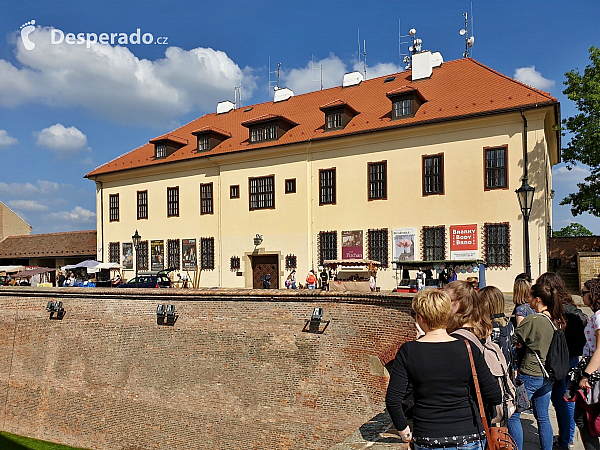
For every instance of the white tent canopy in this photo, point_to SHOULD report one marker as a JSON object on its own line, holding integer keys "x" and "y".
{"x": 103, "y": 265}
{"x": 11, "y": 269}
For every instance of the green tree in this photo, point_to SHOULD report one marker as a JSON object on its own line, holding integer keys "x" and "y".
{"x": 574, "y": 229}
{"x": 584, "y": 146}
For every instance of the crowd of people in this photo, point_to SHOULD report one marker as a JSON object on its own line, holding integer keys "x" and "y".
{"x": 545, "y": 351}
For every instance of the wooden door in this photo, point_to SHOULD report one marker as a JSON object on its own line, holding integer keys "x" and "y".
{"x": 262, "y": 265}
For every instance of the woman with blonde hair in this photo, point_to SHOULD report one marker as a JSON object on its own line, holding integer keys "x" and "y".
{"x": 521, "y": 290}
{"x": 467, "y": 311}
{"x": 439, "y": 369}
{"x": 502, "y": 329}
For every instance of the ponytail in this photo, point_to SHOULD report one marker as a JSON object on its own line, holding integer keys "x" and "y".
{"x": 550, "y": 297}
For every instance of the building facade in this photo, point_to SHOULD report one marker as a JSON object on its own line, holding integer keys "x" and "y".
{"x": 11, "y": 224}
{"x": 394, "y": 169}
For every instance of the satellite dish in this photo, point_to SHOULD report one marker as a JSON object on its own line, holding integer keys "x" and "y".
{"x": 471, "y": 41}
{"x": 462, "y": 32}
{"x": 412, "y": 32}
{"x": 410, "y": 49}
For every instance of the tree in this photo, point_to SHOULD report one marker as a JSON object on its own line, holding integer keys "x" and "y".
{"x": 584, "y": 146}
{"x": 572, "y": 230}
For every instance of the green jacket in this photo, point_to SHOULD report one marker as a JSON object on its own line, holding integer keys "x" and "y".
{"x": 536, "y": 333}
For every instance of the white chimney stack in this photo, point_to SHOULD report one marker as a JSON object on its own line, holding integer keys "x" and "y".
{"x": 423, "y": 64}
{"x": 282, "y": 94}
{"x": 225, "y": 107}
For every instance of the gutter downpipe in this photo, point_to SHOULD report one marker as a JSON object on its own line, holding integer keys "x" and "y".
{"x": 101, "y": 219}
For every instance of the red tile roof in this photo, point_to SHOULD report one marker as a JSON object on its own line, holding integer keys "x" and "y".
{"x": 71, "y": 243}
{"x": 169, "y": 137}
{"x": 457, "y": 89}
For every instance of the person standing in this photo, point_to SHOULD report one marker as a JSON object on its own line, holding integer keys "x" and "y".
{"x": 521, "y": 291}
{"x": 420, "y": 279}
{"x": 324, "y": 279}
{"x": 311, "y": 280}
{"x": 293, "y": 275}
{"x": 372, "y": 282}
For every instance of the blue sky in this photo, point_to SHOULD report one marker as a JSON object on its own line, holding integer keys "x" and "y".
{"x": 65, "y": 109}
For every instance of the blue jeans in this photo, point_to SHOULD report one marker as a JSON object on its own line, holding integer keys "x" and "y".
{"x": 538, "y": 391}
{"x": 478, "y": 445}
{"x": 565, "y": 411}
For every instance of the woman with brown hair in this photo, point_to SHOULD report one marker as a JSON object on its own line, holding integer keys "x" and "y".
{"x": 467, "y": 312}
{"x": 502, "y": 328}
{"x": 521, "y": 291}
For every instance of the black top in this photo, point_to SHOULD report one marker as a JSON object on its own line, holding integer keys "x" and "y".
{"x": 444, "y": 394}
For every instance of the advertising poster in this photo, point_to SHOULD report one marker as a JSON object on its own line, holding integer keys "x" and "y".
{"x": 352, "y": 244}
{"x": 404, "y": 244}
{"x": 127, "y": 255}
{"x": 188, "y": 253}
{"x": 157, "y": 252}
{"x": 463, "y": 242}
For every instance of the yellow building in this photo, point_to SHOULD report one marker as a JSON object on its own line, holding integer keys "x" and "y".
{"x": 417, "y": 166}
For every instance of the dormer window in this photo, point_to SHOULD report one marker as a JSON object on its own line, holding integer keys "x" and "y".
{"x": 405, "y": 102}
{"x": 337, "y": 115}
{"x": 268, "y": 127}
{"x": 209, "y": 137}
{"x": 203, "y": 143}
{"x": 334, "y": 120}
{"x": 161, "y": 151}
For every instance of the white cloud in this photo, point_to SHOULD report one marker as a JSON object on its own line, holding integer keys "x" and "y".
{"x": 64, "y": 141}
{"x": 6, "y": 139}
{"x": 77, "y": 214}
{"x": 576, "y": 173}
{"x": 532, "y": 77}
{"x": 378, "y": 70}
{"x": 41, "y": 187}
{"x": 113, "y": 82}
{"x": 27, "y": 205}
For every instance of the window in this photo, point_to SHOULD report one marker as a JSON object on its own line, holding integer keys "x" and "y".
{"x": 334, "y": 120}
{"x": 290, "y": 186}
{"x": 378, "y": 180}
{"x": 234, "y": 263}
{"x": 327, "y": 186}
{"x": 263, "y": 133}
{"x": 327, "y": 245}
{"x": 234, "y": 191}
{"x": 161, "y": 150}
{"x": 172, "y": 253}
{"x": 497, "y": 244}
{"x": 141, "y": 256}
{"x": 206, "y": 198}
{"x": 173, "y": 201}
{"x": 402, "y": 108}
{"x": 495, "y": 168}
{"x": 291, "y": 262}
{"x": 262, "y": 193}
{"x": 142, "y": 205}
{"x": 203, "y": 143}
{"x": 434, "y": 243}
{"x": 433, "y": 174}
{"x": 113, "y": 202}
{"x": 378, "y": 246}
{"x": 114, "y": 254}
{"x": 207, "y": 253}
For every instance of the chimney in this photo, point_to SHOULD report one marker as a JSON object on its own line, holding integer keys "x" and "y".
{"x": 282, "y": 94}
{"x": 423, "y": 64}
{"x": 352, "y": 79}
{"x": 225, "y": 107}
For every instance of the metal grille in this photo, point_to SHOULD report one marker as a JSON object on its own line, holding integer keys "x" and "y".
{"x": 173, "y": 253}
{"x": 262, "y": 195}
{"x": 327, "y": 245}
{"x": 290, "y": 186}
{"x": 433, "y": 175}
{"x": 113, "y": 202}
{"x": 497, "y": 244}
{"x": 434, "y": 243}
{"x": 114, "y": 252}
{"x": 234, "y": 263}
{"x": 327, "y": 186}
{"x": 234, "y": 191}
{"x": 378, "y": 246}
{"x": 291, "y": 262}
{"x": 207, "y": 253}
{"x": 495, "y": 168}
{"x": 377, "y": 180}
{"x": 172, "y": 201}
{"x": 206, "y": 198}
{"x": 142, "y": 205}
{"x": 141, "y": 256}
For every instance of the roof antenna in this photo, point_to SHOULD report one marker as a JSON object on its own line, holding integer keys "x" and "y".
{"x": 273, "y": 85}
{"x": 415, "y": 48}
{"x": 365, "y": 57}
{"x": 320, "y": 68}
{"x": 237, "y": 93}
{"x": 469, "y": 40}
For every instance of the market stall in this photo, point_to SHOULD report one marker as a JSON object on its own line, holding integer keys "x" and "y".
{"x": 351, "y": 274}
{"x": 36, "y": 276}
{"x": 437, "y": 273}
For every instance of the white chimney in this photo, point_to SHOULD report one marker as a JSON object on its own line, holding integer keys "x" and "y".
{"x": 225, "y": 107}
{"x": 282, "y": 94}
{"x": 352, "y": 79}
{"x": 423, "y": 64}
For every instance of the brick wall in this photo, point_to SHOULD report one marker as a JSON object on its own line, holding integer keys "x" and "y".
{"x": 566, "y": 248}
{"x": 235, "y": 371}
{"x": 589, "y": 266}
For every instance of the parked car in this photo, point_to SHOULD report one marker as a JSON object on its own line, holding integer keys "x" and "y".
{"x": 148, "y": 281}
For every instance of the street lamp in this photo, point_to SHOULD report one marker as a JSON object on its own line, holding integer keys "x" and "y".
{"x": 137, "y": 239}
{"x": 258, "y": 240}
{"x": 525, "y": 196}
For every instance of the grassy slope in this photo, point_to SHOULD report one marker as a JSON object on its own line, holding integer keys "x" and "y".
{"x": 11, "y": 442}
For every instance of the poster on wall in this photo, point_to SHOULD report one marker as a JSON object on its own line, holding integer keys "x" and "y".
{"x": 127, "y": 255}
{"x": 404, "y": 244}
{"x": 352, "y": 244}
{"x": 157, "y": 252}
{"x": 188, "y": 252}
{"x": 463, "y": 242}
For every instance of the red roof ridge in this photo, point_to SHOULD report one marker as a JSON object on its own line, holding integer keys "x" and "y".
{"x": 212, "y": 128}
{"x": 266, "y": 117}
{"x": 169, "y": 137}
{"x": 49, "y": 234}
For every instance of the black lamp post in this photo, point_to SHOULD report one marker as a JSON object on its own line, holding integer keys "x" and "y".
{"x": 525, "y": 196}
{"x": 136, "y": 238}
{"x": 258, "y": 240}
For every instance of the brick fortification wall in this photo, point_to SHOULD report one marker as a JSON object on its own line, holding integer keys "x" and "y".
{"x": 566, "y": 248}
{"x": 589, "y": 266}
{"x": 235, "y": 371}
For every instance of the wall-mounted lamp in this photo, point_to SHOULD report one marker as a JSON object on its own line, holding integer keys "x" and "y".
{"x": 316, "y": 322}
{"x": 55, "y": 308}
{"x": 258, "y": 240}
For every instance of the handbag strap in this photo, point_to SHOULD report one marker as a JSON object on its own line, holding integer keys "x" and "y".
{"x": 478, "y": 391}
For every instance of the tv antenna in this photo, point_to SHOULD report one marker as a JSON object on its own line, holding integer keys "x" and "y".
{"x": 274, "y": 84}
{"x": 237, "y": 94}
{"x": 469, "y": 40}
{"x": 364, "y": 53}
{"x": 414, "y": 48}
{"x": 313, "y": 68}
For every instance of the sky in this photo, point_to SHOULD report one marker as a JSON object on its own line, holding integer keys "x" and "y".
{"x": 66, "y": 108}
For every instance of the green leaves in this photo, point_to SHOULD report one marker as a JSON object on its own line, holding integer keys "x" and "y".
{"x": 575, "y": 229}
